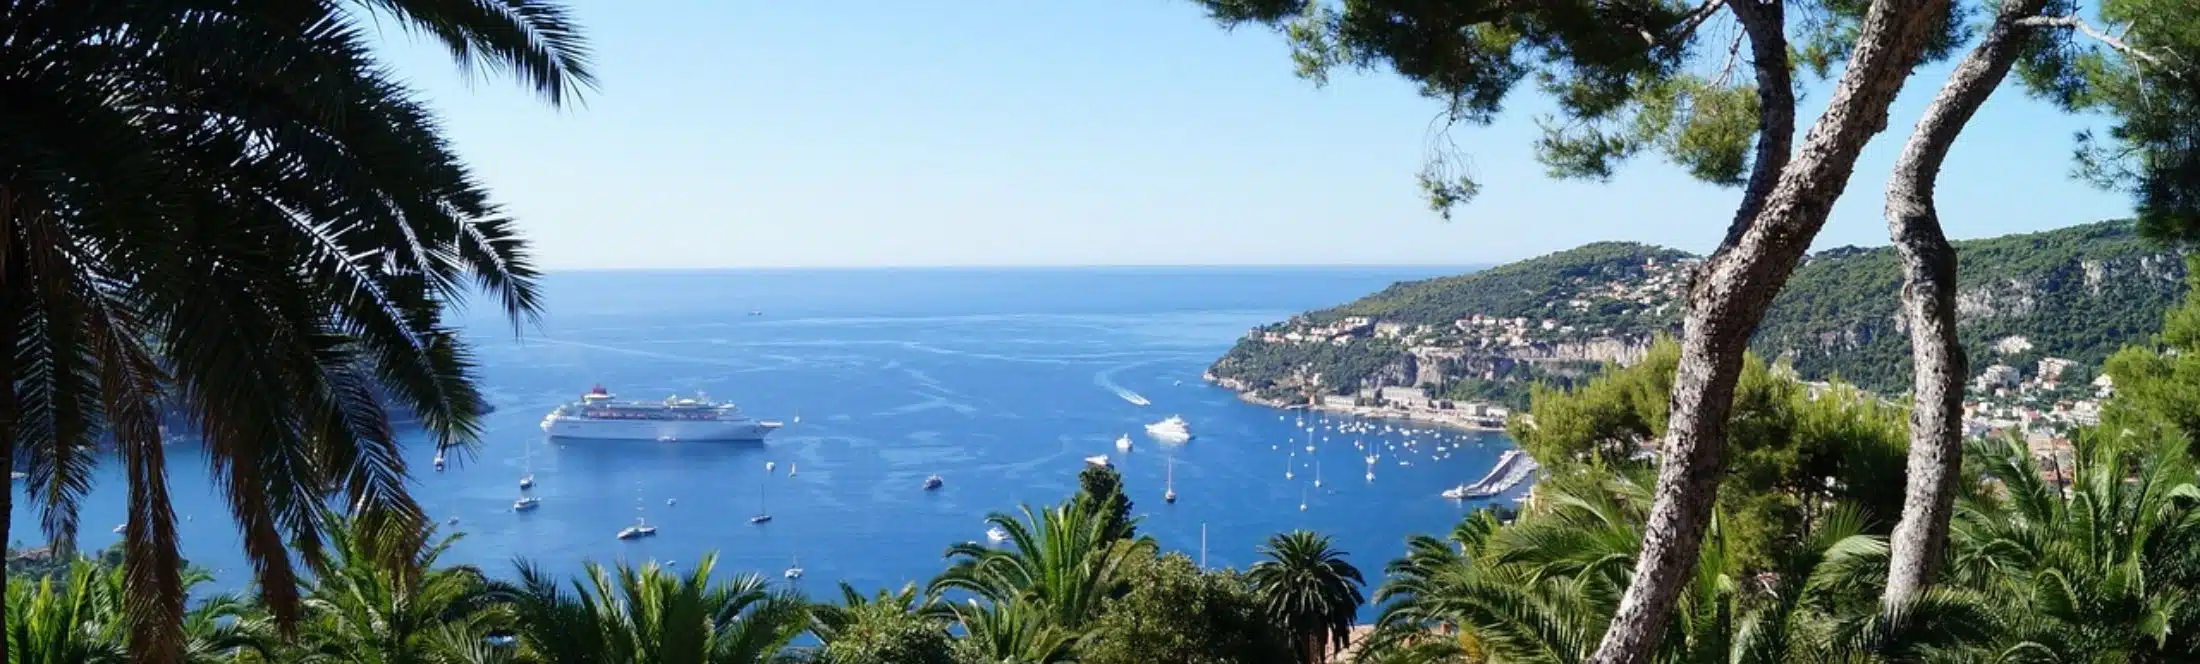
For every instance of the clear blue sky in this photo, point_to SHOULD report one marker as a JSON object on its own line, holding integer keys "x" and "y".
{"x": 747, "y": 133}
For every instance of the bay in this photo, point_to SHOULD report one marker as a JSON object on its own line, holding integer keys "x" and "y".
{"x": 999, "y": 380}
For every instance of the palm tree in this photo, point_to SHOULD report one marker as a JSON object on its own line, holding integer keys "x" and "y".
{"x": 650, "y": 615}
{"x": 76, "y": 617}
{"x": 1310, "y": 589}
{"x": 366, "y": 611}
{"x": 2101, "y": 560}
{"x": 1011, "y": 633}
{"x": 235, "y": 208}
{"x": 1063, "y": 560}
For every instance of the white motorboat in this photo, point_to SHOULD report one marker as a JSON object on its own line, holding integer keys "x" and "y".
{"x": 1173, "y": 429}
{"x": 639, "y": 530}
{"x": 1456, "y": 493}
{"x": 995, "y": 534}
{"x": 794, "y": 572}
{"x": 1100, "y": 460}
{"x": 1123, "y": 444}
{"x": 526, "y": 503}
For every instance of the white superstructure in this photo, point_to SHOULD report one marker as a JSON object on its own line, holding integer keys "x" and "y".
{"x": 676, "y": 419}
{"x": 1171, "y": 430}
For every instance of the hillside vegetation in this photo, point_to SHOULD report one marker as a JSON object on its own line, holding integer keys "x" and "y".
{"x": 2077, "y": 293}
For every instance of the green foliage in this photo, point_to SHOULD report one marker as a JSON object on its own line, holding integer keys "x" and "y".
{"x": 1310, "y": 589}
{"x": 2157, "y": 382}
{"x": 1787, "y": 452}
{"x": 366, "y": 610}
{"x": 1063, "y": 561}
{"x": 651, "y": 614}
{"x": 1540, "y": 589}
{"x": 2095, "y": 562}
{"x": 243, "y": 209}
{"x": 1837, "y": 315}
{"x": 1100, "y": 492}
{"x": 1177, "y": 614}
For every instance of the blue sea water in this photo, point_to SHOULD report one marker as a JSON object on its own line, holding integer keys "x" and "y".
{"x": 999, "y": 380}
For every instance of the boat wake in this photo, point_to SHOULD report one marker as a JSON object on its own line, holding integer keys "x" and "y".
{"x": 1106, "y": 380}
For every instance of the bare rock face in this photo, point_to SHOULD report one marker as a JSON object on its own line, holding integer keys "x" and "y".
{"x": 1622, "y": 351}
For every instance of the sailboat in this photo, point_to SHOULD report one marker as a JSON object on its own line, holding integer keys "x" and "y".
{"x": 1288, "y": 459}
{"x": 795, "y": 571}
{"x": 790, "y": 469}
{"x": 1317, "y": 473}
{"x": 763, "y": 513}
{"x": 1302, "y": 499}
{"x": 439, "y": 460}
{"x": 1169, "y": 496}
{"x": 527, "y": 481}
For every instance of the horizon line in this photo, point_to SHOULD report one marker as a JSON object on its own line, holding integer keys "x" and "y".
{"x": 1018, "y": 266}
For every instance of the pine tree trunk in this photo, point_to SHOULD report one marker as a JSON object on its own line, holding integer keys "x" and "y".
{"x": 1929, "y": 305}
{"x": 1727, "y": 300}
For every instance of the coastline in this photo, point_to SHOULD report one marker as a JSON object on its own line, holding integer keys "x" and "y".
{"x": 1431, "y": 416}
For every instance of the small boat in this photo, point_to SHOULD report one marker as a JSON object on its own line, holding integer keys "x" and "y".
{"x": 1317, "y": 473}
{"x": 18, "y": 475}
{"x": 638, "y": 530}
{"x": 439, "y": 460}
{"x": 1289, "y": 459}
{"x": 933, "y": 482}
{"x": 756, "y": 312}
{"x": 526, "y": 503}
{"x": 1100, "y": 460}
{"x": 1124, "y": 443}
{"x": 770, "y": 465}
{"x": 794, "y": 572}
{"x": 761, "y": 519}
{"x": 790, "y": 470}
{"x": 120, "y": 527}
{"x": 1456, "y": 493}
{"x": 1302, "y": 499}
{"x": 527, "y": 482}
{"x": 995, "y": 534}
{"x": 672, "y": 501}
{"x": 454, "y": 521}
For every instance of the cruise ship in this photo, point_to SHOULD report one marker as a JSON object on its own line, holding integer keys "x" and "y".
{"x": 597, "y": 415}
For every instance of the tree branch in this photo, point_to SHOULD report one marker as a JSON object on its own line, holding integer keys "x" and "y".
{"x": 2088, "y": 30}
{"x": 1694, "y": 20}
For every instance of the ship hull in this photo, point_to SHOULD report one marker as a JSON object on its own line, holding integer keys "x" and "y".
{"x": 743, "y": 430}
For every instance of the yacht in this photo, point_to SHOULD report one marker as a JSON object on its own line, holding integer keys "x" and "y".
{"x": 598, "y": 415}
{"x": 1456, "y": 493}
{"x": 527, "y": 481}
{"x": 526, "y": 503}
{"x": 794, "y": 572}
{"x": 1123, "y": 444}
{"x": 995, "y": 534}
{"x": 639, "y": 530}
{"x": 1173, "y": 429}
{"x": 1100, "y": 460}
{"x": 933, "y": 482}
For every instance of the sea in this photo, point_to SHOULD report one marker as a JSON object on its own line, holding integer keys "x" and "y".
{"x": 1000, "y": 381}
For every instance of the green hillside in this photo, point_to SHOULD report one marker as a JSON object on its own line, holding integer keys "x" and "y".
{"x": 2077, "y": 293}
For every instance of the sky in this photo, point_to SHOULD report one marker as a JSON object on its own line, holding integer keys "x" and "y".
{"x": 835, "y": 133}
